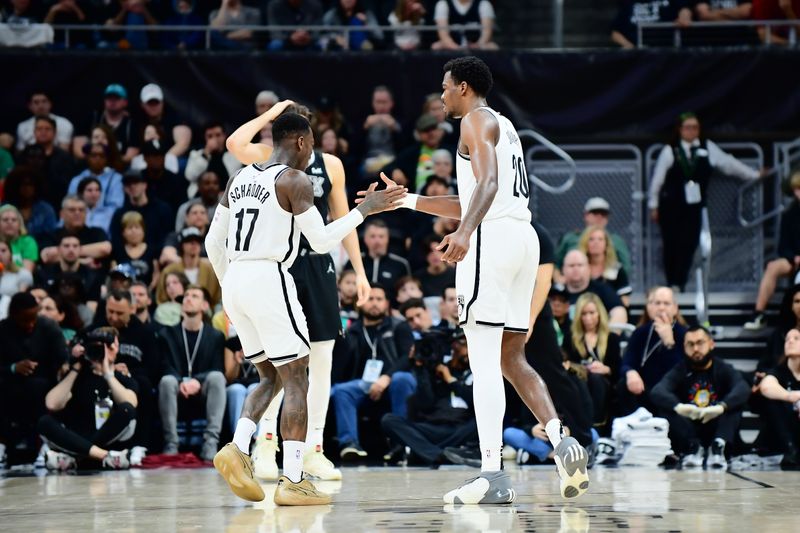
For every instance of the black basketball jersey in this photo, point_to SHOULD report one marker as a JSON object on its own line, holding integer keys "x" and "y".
{"x": 322, "y": 187}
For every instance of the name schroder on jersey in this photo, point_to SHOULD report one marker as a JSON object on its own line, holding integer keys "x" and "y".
{"x": 253, "y": 190}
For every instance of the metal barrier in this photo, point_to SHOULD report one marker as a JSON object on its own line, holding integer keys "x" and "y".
{"x": 738, "y": 250}
{"x": 611, "y": 171}
{"x": 728, "y": 24}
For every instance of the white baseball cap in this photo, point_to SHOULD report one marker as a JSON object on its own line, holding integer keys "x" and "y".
{"x": 596, "y": 203}
{"x": 151, "y": 91}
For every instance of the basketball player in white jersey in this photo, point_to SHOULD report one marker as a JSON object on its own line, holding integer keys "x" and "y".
{"x": 315, "y": 276}
{"x": 251, "y": 243}
{"x": 497, "y": 251}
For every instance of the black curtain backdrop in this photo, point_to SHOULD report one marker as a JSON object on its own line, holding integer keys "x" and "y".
{"x": 598, "y": 96}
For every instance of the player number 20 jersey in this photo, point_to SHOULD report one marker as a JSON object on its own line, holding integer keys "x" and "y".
{"x": 513, "y": 190}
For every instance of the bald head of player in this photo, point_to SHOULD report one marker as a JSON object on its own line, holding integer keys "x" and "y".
{"x": 293, "y": 140}
{"x": 467, "y": 81}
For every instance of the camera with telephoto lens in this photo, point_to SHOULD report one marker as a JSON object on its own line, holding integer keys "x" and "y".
{"x": 95, "y": 341}
{"x": 432, "y": 347}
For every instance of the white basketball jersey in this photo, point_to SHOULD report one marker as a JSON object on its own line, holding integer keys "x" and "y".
{"x": 513, "y": 190}
{"x": 259, "y": 228}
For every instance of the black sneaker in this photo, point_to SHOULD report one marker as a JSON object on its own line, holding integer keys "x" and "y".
{"x": 463, "y": 455}
{"x": 396, "y": 455}
{"x": 716, "y": 459}
{"x": 352, "y": 451}
{"x": 791, "y": 459}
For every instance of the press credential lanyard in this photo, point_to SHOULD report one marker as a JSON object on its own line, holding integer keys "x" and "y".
{"x": 190, "y": 359}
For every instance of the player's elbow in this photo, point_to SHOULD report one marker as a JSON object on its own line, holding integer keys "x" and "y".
{"x": 320, "y": 245}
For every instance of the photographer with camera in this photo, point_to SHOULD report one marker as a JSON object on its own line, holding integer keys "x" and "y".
{"x": 92, "y": 409}
{"x": 440, "y": 411}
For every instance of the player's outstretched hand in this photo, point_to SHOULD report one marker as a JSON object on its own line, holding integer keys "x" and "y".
{"x": 375, "y": 201}
{"x": 455, "y": 246}
{"x": 389, "y": 184}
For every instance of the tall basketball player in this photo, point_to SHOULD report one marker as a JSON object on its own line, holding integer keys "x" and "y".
{"x": 252, "y": 243}
{"x": 315, "y": 275}
{"x": 497, "y": 251}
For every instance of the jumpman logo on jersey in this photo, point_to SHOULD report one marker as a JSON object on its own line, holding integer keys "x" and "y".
{"x": 330, "y": 269}
{"x": 512, "y": 137}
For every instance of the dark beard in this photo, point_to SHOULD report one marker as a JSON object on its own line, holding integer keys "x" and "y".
{"x": 373, "y": 317}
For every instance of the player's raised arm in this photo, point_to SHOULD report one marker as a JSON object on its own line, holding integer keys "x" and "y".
{"x": 239, "y": 144}
{"x": 295, "y": 189}
{"x": 440, "y": 206}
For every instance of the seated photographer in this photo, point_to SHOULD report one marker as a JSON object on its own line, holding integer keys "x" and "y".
{"x": 702, "y": 397}
{"x": 193, "y": 357}
{"x": 92, "y": 409}
{"x": 440, "y": 411}
{"x": 781, "y": 387}
{"x": 372, "y": 350}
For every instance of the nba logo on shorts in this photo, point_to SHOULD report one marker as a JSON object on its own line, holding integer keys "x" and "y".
{"x": 460, "y": 304}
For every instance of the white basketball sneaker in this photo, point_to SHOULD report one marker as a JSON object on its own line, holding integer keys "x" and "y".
{"x": 317, "y": 466}
{"x": 266, "y": 467}
{"x": 488, "y": 488}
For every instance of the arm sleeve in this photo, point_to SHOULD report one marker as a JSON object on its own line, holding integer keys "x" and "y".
{"x": 215, "y": 241}
{"x": 324, "y": 238}
{"x": 663, "y": 394}
{"x": 665, "y": 160}
{"x": 729, "y": 165}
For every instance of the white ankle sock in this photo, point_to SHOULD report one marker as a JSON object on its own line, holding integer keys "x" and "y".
{"x": 244, "y": 432}
{"x": 555, "y": 431}
{"x": 320, "y": 361}
{"x": 293, "y": 451}
{"x": 488, "y": 392}
{"x": 269, "y": 420}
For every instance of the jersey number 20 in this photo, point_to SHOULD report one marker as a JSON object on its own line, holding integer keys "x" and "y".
{"x": 521, "y": 185}
{"x": 240, "y": 219}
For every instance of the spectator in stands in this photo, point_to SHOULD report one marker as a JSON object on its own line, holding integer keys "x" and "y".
{"x": 417, "y": 316}
{"x": 386, "y": 268}
{"x": 131, "y": 13}
{"x": 440, "y": 410}
{"x": 328, "y": 115}
{"x": 196, "y": 217}
{"x": 135, "y": 251}
{"x": 198, "y": 271}
{"x": 702, "y": 397}
{"x": 24, "y": 249}
{"x": 559, "y": 304}
{"x": 161, "y": 183}
{"x": 434, "y": 106}
{"x": 330, "y": 143}
{"x": 479, "y": 14}
{"x": 678, "y": 192}
{"x": 374, "y": 347}
{"x": 437, "y": 275}
{"x": 183, "y": 15}
{"x": 407, "y": 288}
{"x": 111, "y": 194}
{"x": 788, "y": 318}
{"x": 50, "y": 160}
{"x": 155, "y": 133}
{"x": 578, "y": 280}
{"x": 213, "y": 156}
{"x": 416, "y": 161}
{"x": 782, "y": 387}
{"x": 348, "y": 295}
{"x": 103, "y": 134}
{"x": 406, "y": 15}
{"x": 722, "y": 10}
{"x": 64, "y": 12}
{"x": 97, "y": 215}
{"x": 653, "y": 349}
{"x": 788, "y": 261}
{"x": 92, "y": 410}
{"x": 115, "y": 115}
{"x": 596, "y": 212}
{"x": 69, "y": 250}
{"x": 448, "y": 309}
{"x": 95, "y": 246}
{"x": 193, "y": 379}
{"x": 71, "y": 287}
{"x": 603, "y": 263}
{"x": 352, "y": 13}
{"x": 775, "y": 10}
{"x": 595, "y": 351}
{"x": 156, "y": 213}
{"x": 63, "y": 313}
{"x": 443, "y": 167}
{"x": 435, "y": 186}
{"x": 40, "y": 105}
{"x": 169, "y": 312}
{"x": 33, "y": 351}
{"x": 23, "y": 189}
{"x": 294, "y": 13}
{"x": 142, "y": 302}
{"x": 381, "y": 130}
{"x": 209, "y": 190}
{"x": 633, "y": 12}
{"x": 13, "y": 279}
{"x": 179, "y": 135}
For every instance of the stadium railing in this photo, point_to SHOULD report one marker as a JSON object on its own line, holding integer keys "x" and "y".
{"x": 678, "y": 31}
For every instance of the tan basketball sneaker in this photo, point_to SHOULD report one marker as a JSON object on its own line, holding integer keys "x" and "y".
{"x": 317, "y": 466}
{"x": 264, "y": 458}
{"x": 303, "y": 493}
{"x": 237, "y": 469}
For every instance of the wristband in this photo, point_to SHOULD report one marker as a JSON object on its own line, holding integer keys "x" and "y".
{"x": 410, "y": 201}
{"x": 13, "y": 368}
{"x": 108, "y": 376}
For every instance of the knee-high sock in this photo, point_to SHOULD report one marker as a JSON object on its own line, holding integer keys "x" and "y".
{"x": 488, "y": 392}
{"x": 268, "y": 426}
{"x": 319, "y": 390}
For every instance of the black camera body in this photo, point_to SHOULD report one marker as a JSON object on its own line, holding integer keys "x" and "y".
{"x": 95, "y": 342}
{"x": 432, "y": 347}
